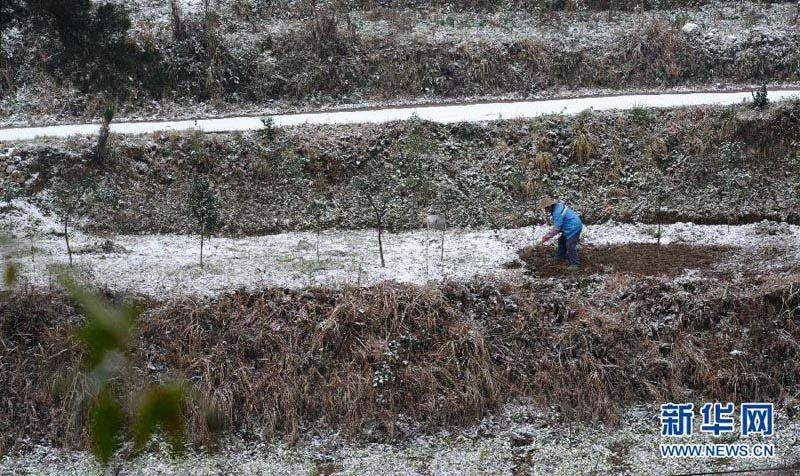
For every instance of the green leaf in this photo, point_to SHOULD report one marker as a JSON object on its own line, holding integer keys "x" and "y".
{"x": 10, "y": 274}
{"x": 161, "y": 408}
{"x": 108, "y": 113}
{"x": 106, "y": 420}
{"x": 214, "y": 419}
{"x": 107, "y": 328}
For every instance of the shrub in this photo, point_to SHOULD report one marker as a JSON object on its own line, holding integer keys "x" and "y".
{"x": 760, "y": 100}
{"x": 9, "y": 190}
{"x": 656, "y": 148}
{"x": 203, "y": 66}
{"x": 269, "y": 132}
{"x": 640, "y": 115}
{"x": 105, "y": 131}
{"x": 325, "y": 35}
{"x": 727, "y": 126}
{"x": 657, "y": 53}
{"x": 89, "y": 45}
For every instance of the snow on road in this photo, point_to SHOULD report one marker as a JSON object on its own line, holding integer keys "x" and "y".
{"x": 160, "y": 265}
{"x": 445, "y": 114}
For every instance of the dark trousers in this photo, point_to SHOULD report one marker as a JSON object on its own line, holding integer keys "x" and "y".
{"x": 568, "y": 248}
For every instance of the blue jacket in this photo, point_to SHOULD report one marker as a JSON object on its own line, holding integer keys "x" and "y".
{"x": 567, "y": 220}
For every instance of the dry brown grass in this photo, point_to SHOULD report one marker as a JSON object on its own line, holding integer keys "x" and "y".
{"x": 656, "y": 148}
{"x": 327, "y": 58}
{"x": 543, "y": 161}
{"x": 363, "y": 360}
{"x": 656, "y": 53}
{"x": 584, "y": 146}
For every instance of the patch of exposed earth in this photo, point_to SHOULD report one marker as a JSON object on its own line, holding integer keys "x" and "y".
{"x": 520, "y": 441}
{"x": 641, "y": 259}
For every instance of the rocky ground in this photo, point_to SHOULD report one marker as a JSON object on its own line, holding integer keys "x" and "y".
{"x": 520, "y": 441}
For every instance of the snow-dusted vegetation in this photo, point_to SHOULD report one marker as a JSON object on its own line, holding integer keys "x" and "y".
{"x": 321, "y": 252}
{"x": 264, "y": 57}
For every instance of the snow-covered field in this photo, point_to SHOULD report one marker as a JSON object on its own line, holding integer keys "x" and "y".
{"x": 445, "y": 114}
{"x": 162, "y": 265}
{"x": 520, "y": 441}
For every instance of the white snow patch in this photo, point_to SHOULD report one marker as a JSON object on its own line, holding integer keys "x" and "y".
{"x": 690, "y": 28}
{"x": 21, "y": 217}
{"x": 160, "y": 265}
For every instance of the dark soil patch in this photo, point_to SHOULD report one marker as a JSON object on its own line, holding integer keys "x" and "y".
{"x": 643, "y": 259}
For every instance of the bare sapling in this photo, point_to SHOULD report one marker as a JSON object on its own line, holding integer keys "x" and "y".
{"x": 379, "y": 209}
{"x": 386, "y": 180}
{"x": 437, "y": 223}
{"x": 317, "y": 209}
{"x": 379, "y": 186}
{"x": 70, "y": 194}
{"x": 660, "y": 153}
{"x": 658, "y": 220}
{"x": 203, "y": 209}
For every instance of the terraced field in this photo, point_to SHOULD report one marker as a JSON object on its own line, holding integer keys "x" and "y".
{"x": 357, "y": 285}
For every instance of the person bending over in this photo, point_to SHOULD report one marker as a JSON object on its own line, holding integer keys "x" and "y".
{"x": 567, "y": 223}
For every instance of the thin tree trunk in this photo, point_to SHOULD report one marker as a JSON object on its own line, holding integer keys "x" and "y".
{"x": 427, "y": 246}
{"x": 318, "y": 232}
{"x": 380, "y": 242}
{"x": 441, "y": 259}
{"x": 658, "y": 243}
{"x": 658, "y": 220}
{"x": 202, "y": 235}
{"x": 380, "y": 245}
{"x": 66, "y": 238}
{"x": 33, "y": 256}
